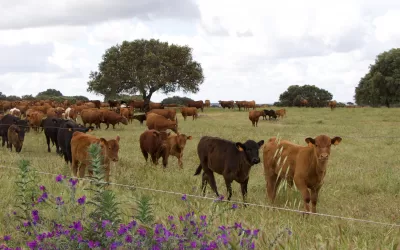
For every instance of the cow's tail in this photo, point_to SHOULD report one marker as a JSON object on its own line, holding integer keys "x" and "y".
{"x": 198, "y": 170}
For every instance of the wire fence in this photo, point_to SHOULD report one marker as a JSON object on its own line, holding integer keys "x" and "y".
{"x": 393, "y": 225}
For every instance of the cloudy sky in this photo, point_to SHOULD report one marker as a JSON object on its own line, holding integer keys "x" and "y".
{"x": 249, "y": 50}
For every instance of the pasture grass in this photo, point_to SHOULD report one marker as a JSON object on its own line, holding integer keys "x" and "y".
{"x": 362, "y": 180}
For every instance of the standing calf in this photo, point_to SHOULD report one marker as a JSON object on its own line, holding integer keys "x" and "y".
{"x": 227, "y": 158}
{"x": 303, "y": 165}
{"x": 15, "y": 137}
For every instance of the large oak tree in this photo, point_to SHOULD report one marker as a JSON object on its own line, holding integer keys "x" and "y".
{"x": 381, "y": 85}
{"x": 146, "y": 66}
{"x": 316, "y": 97}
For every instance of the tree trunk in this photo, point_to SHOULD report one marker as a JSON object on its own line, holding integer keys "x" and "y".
{"x": 146, "y": 99}
{"x": 387, "y": 103}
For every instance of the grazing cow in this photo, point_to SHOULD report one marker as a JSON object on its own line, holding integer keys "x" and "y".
{"x": 240, "y": 104}
{"x": 160, "y": 123}
{"x": 5, "y": 124}
{"x": 196, "y": 104}
{"x": 70, "y": 114}
{"x": 254, "y": 115}
{"x": 16, "y": 137}
{"x": 92, "y": 116}
{"x": 110, "y": 117}
{"x": 139, "y": 105}
{"x": 80, "y": 143}
{"x": 167, "y": 113}
{"x": 64, "y": 137}
{"x": 303, "y": 103}
{"x": 97, "y": 103}
{"x": 281, "y": 113}
{"x": 227, "y": 158}
{"x": 269, "y": 113}
{"x": 332, "y": 105}
{"x": 303, "y": 165}
{"x": 113, "y": 104}
{"x": 140, "y": 118}
{"x": 153, "y": 142}
{"x": 154, "y": 105}
{"x": 227, "y": 104}
{"x": 51, "y": 127}
{"x": 15, "y": 112}
{"x": 127, "y": 113}
{"x": 189, "y": 112}
{"x": 207, "y": 103}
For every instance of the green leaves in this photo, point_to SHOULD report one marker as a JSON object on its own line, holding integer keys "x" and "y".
{"x": 381, "y": 85}
{"x": 315, "y": 96}
{"x": 146, "y": 66}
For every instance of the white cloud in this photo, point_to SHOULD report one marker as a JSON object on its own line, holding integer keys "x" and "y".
{"x": 249, "y": 50}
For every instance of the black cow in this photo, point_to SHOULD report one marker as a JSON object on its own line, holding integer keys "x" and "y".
{"x": 6, "y": 122}
{"x": 64, "y": 137}
{"x": 227, "y": 158}
{"x": 140, "y": 118}
{"x": 269, "y": 113}
{"x": 51, "y": 127}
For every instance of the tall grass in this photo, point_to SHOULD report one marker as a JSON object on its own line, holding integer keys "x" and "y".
{"x": 361, "y": 181}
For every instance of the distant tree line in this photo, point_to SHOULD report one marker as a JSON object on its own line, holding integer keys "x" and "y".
{"x": 49, "y": 94}
{"x": 176, "y": 100}
{"x": 295, "y": 96}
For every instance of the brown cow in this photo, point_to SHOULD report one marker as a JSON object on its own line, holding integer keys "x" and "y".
{"x": 160, "y": 144}
{"x": 240, "y": 104}
{"x": 97, "y": 103}
{"x": 139, "y": 105}
{"x": 92, "y": 116}
{"x": 189, "y": 112}
{"x": 140, "y": 118}
{"x": 332, "y": 105}
{"x": 35, "y": 119}
{"x": 110, "y": 117}
{"x": 280, "y": 113}
{"x": 303, "y": 165}
{"x": 127, "y": 113}
{"x": 160, "y": 123}
{"x": 89, "y": 105}
{"x": 15, "y": 136}
{"x": 227, "y": 104}
{"x": 71, "y": 114}
{"x": 167, "y": 113}
{"x": 80, "y": 143}
{"x": 251, "y": 104}
{"x": 303, "y": 103}
{"x": 254, "y": 115}
{"x": 207, "y": 103}
{"x": 154, "y": 105}
{"x": 196, "y": 104}
{"x": 53, "y": 112}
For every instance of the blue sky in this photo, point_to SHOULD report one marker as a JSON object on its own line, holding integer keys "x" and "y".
{"x": 249, "y": 50}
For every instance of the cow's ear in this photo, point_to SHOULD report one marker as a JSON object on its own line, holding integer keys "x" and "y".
{"x": 260, "y": 143}
{"x": 103, "y": 141}
{"x": 169, "y": 133}
{"x": 156, "y": 133}
{"x": 336, "y": 140}
{"x": 240, "y": 146}
{"x": 310, "y": 140}
{"x": 117, "y": 138}
{"x": 189, "y": 137}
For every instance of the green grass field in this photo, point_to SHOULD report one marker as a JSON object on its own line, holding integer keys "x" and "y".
{"x": 362, "y": 181}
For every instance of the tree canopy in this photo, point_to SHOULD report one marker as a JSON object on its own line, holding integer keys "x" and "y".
{"x": 381, "y": 85}
{"x": 176, "y": 100}
{"x": 315, "y": 96}
{"x": 146, "y": 66}
{"x": 49, "y": 92}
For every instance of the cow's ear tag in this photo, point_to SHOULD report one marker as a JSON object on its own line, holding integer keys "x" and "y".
{"x": 240, "y": 149}
{"x": 69, "y": 129}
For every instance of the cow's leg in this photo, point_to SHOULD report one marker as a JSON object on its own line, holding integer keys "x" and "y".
{"x": 228, "y": 184}
{"x": 3, "y": 141}
{"x": 114, "y": 125}
{"x": 74, "y": 168}
{"x": 57, "y": 147}
{"x": 314, "y": 199}
{"x": 180, "y": 163}
{"x": 305, "y": 193}
{"x": 273, "y": 182}
{"x": 204, "y": 181}
{"x": 10, "y": 146}
{"x": 243, "y": 187}
{"x": 48, "y": 143}
{"x": 107, "y": 173}
{"x": 145, "y": 154}
{"x": 211, "y": 179}
{"x": 154, "y": 158}
{"x": 108, "y": 125}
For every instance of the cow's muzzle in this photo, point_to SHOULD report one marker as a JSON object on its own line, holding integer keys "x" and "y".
{"x": 114, "y": 159}
{"x": 256, "y": 160}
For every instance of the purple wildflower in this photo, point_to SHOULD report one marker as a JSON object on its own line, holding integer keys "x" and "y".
{"x": 77, "y": 226}
{"x": 73, "y": 182}
{"x": 122, "y": 229}
{"x": 32, "y": 244}
{"x": 35, "y": 216}
{"x": 105, "y": 223}
{"x": 128, "y": 238}
{"x": 255, "y": 232}
{"x": 142, "y": 232}
{"x": 43, "y": 197}
{"x": 7, "y": 237}
{"x": 42, "y": 188}
{"x": 203, "y": 217}
{"x": 59, "y": 178}
{"x": 82, "y": 200}
{"x": 234, "y": 206}
{"x": 193, "y": 244}
{"x": 109, "y": 234}
{"x": 170, "y": 217}
{"x": 184, "y": 197}
{"x": 93, "y": 244}
{"x": 59, "y": 201}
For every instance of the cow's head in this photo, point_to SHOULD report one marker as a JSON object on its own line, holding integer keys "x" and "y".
{"x": 250, "y": 148}
{"x": 111, "y": 148}
{"x": 180, "y": 140}
{"x": 124, "y": 120}
{"x": 322, "y": 145}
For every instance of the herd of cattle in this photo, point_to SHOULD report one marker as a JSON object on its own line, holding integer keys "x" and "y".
{"x": 304, "y": 165}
